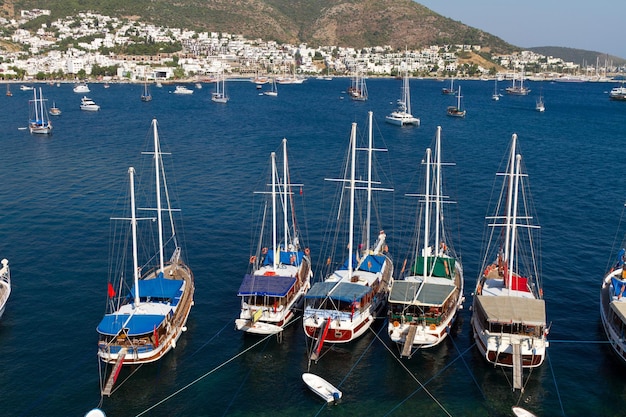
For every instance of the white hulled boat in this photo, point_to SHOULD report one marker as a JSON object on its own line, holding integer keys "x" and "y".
{"x": 5, "y": 285}
{"x": 81, "y": 88}
{"x": 219, "y": 95}
{"x": 613, "y": 302}
{"x": 54, "y": 110}
{"x": 281, "y": 271}
{"x": 148, "y": 299}
{"x": 273, "y": 92}
{"x": 402, "y": 115}
{"x": 343, "y": 307}
{"x": 618, "y": 93}
{"x": 39, "y": 122}
{"x": 508, "y": 312}
{"x": 88, "y": 104}
{"x": 181, "y": 89}
{"x": 423, "y": 304}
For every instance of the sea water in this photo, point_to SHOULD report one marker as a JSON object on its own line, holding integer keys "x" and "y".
{"x": 59, "y": 192}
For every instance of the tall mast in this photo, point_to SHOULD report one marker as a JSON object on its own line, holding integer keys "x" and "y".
{"x": 285, "y": 195}
{"x": 369, "y": 182}
{"x": 133, "y": 223}
{"x": 157, "y": 171}
{"x": 438, "y": 188}
{"x": 509, "y": 201}
{"x": 352, "y": 190}
{"x": 518, "y": 159}
{"x": 274, "y": 238}
{"x": 426, "y": 213}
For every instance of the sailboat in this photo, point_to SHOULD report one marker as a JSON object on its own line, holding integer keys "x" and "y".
{"x": 281, "y": 271}
{"x": 219, "y": 96}
{"x": 456, "y": 111}
{"x": 148, "y": 300}
{"x": 509, "y": 313}
{"x": 449, "y": 91}
{"x": 274, "y": 91}
{"x": 518, "y": 90}
{"x": 358, "y": 88}
{"x": 424, "y": 303}
{"x": 402, "y": 115}
{"x": 9, "y": 93}
{"x": 54, "y": 110}
{"x": 613, "y": 303}
{"x": 5, "y": 285}
{"x": 38, "y": 121}
{"x": 540, "y": 105}
{"x": 496, "y": 95}
{"x": 342, "y": 308}
{"x": 146, "y": 96}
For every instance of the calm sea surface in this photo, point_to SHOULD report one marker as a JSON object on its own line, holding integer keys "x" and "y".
{"x": 58, "y": 194}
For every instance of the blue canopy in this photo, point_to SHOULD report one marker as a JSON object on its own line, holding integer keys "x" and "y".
{"x": 345, "y": 291}
{"x": 272, "y": 285}
{"x": 139, "y": 324}
{"x": 619, "y": 287}
{"x": 284, "y": 258}
{"x": 158, "y": 288}
{"x": 371, "y": 263}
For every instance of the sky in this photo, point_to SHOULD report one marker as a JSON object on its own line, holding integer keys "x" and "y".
{"x": 594, "y": 25}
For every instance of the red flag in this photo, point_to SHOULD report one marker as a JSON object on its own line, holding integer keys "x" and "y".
{"x": 300, "y": 190}
{"x": 110, "y": 291}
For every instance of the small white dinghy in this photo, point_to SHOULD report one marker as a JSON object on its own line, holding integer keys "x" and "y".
{"x": 321, "y": 387}
{"x": 520, "y": 412}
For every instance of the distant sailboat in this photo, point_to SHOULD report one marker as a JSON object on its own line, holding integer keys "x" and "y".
{"x": 456, "y": 111}
{"x": 449, "y": 91}
{"x": 38, "y": 121}
{"x": 146, "y": 96}
{"x": 219, "y": 96}
{"x": 496, "y": 95}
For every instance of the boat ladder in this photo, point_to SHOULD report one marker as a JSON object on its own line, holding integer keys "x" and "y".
{"x": 408, "y": 341}
{"x": 517, "y": 366}
{"x": 114, "y": 373}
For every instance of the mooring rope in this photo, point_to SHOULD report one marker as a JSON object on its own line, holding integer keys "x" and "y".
{"x": 204, "y": 376}
{"x": 422, "y": 386}
{"x": 558, "y": 393}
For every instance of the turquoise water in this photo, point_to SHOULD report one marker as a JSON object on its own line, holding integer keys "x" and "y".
{"x": 58, "y": 193}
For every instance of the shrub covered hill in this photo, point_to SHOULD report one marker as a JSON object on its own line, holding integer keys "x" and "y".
{"x": 353, "y": 23}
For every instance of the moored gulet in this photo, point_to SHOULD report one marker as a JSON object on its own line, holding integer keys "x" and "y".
{"x": 343, "y": 307}
{"x": 613, "y": 304}
{"x": 508, "y": 312}
{"x": 146, "y": 312}
{"x": 281, "y": 271}
{"x": 424, "y": 303}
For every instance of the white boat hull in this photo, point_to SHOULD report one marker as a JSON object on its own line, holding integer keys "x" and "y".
{"x": 322, "y": 387}
{"x": 612, "y": 322}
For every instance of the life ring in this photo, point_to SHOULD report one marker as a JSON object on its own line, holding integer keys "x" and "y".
{"x": 433, "y": 327}
{"x": 307, "y": 251}
{"x": 252, "y": 259}
{"x": 396, "y": 323}
{"x": 264, "y": 251}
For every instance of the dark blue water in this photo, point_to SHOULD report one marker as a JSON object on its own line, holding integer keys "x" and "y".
{"x": 58, "y": 193}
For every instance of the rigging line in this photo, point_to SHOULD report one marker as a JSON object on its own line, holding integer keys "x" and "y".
{"x": 580, "y": 341}
{"x": 466, "y": 365}
{"x": 203, "y": 376}
{"x": 358, "y": 360}
{"x": 558, "y": 393}
{"x": 209, "y": 341}
{"x": 421, "y": 386}
{"x": 127, "y": 378}
{"x": 244, "y": 381}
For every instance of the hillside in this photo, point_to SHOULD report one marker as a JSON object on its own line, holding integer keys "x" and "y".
{"x": 577, "y": 56}
{"x": 355, "y": 23}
